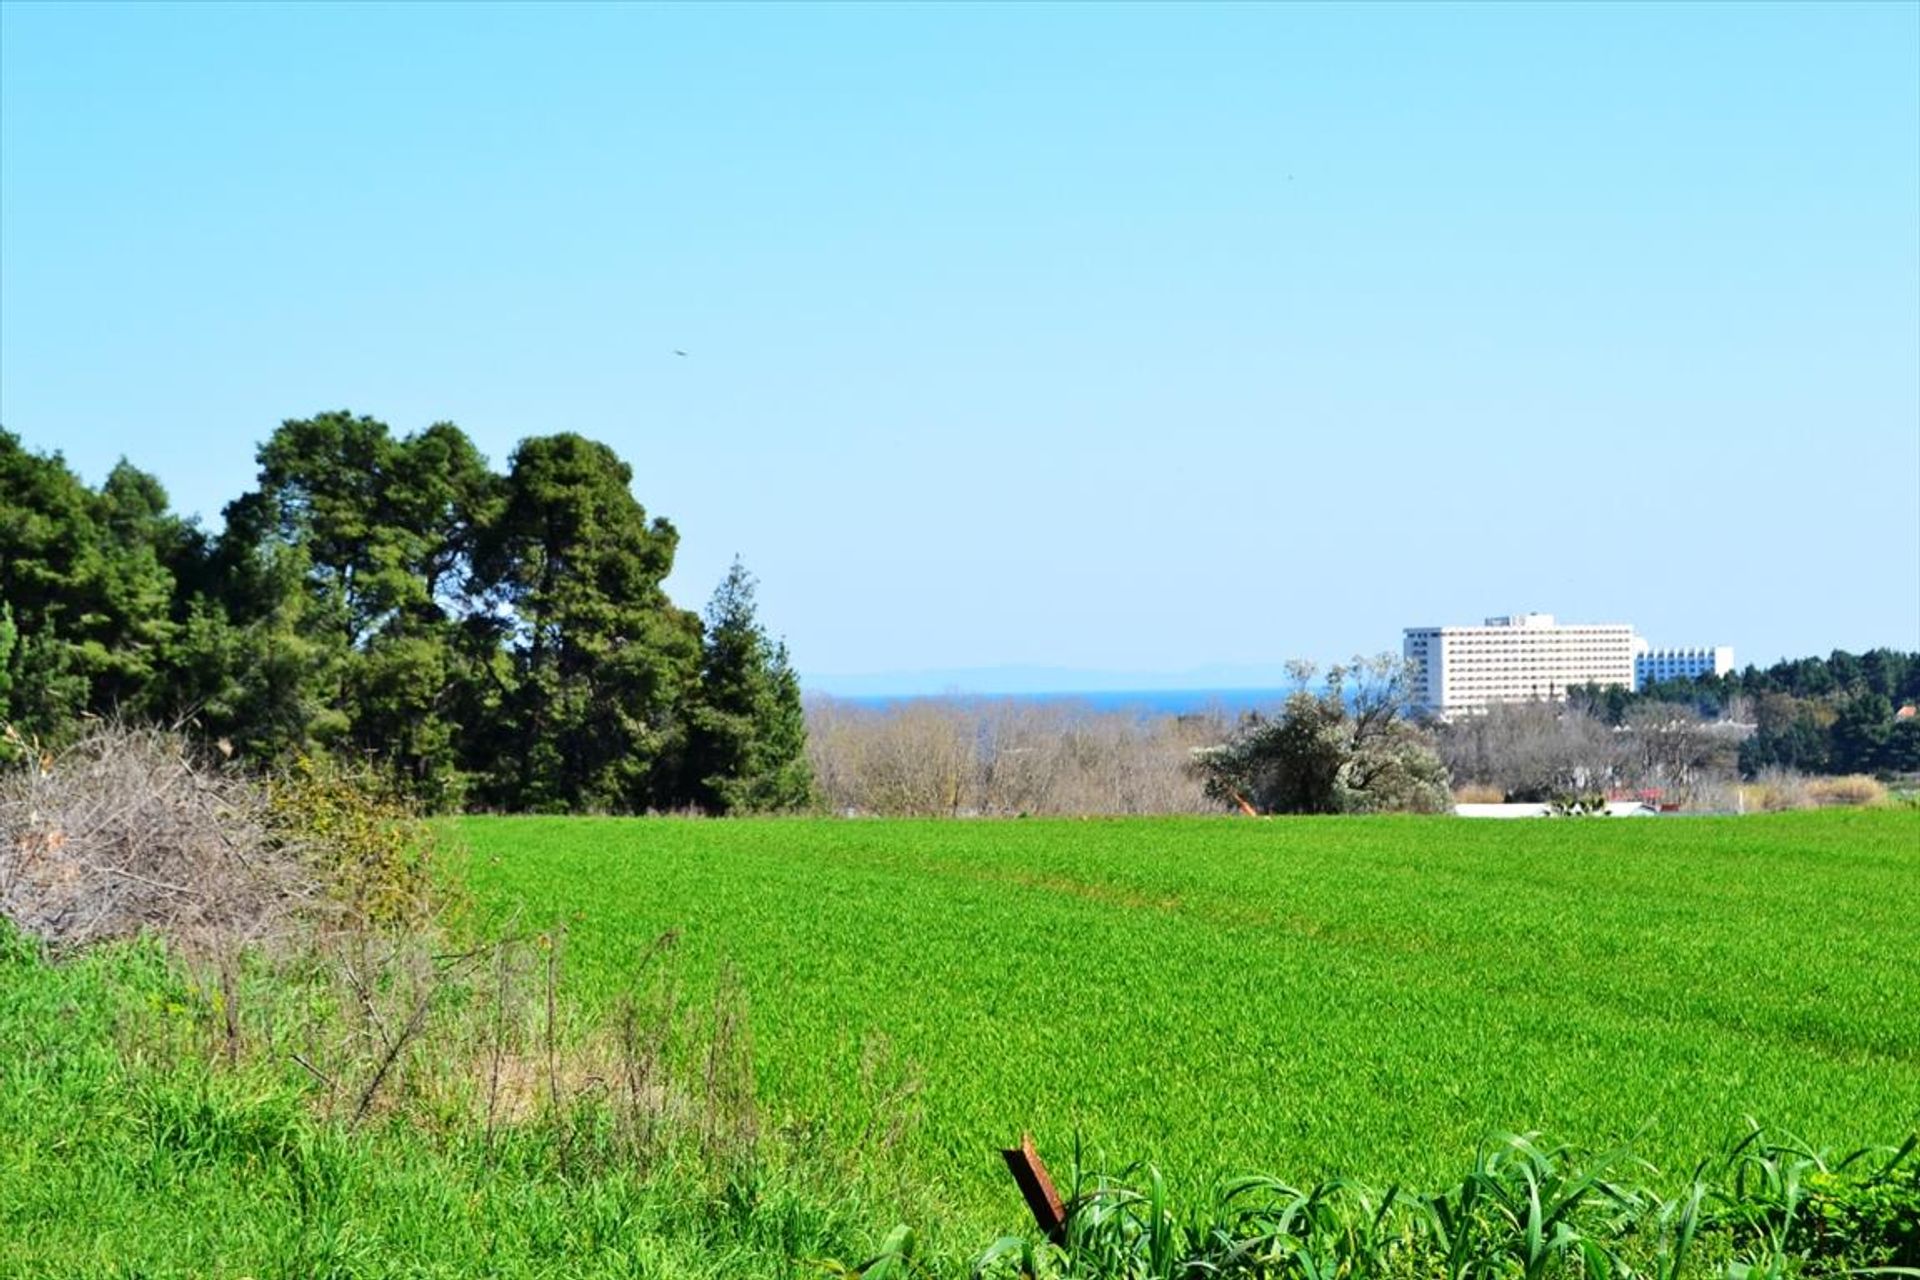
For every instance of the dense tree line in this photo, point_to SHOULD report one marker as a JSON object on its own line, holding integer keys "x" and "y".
{"x": 494, "y": 640}
{"x": 1834, "y": 715}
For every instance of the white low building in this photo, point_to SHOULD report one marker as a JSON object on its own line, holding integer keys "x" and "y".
{"x": 1651, "y": 666}
{"x": 1612, "y": 809}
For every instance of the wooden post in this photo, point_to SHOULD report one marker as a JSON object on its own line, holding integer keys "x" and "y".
{"x": 1030, "y": 1175}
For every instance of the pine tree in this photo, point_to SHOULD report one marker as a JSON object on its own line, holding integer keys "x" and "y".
{"x": 747, "y": 745}
{"x": 601, "y": 662}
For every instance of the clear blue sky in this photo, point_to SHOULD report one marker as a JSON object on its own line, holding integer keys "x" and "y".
{"x": 1142, "y": 342}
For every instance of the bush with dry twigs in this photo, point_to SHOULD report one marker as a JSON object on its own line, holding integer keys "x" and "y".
{"x": 309, "y": 929}
{"x": 998, "y": 757}
{"x": 129, "y": 831}
{"x": 1776, "y": 790}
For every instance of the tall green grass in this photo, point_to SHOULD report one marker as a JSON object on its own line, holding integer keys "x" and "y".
{"x": 1765, "y": 1207}
{"x": 131, "y": 1147}
{"x": 1358, "y": 998}
{"x": 866, "y": 1011}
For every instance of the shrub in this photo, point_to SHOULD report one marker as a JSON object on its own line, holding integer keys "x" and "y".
{"x": 1347, "y": 750}
{"x": 1781, "y": 789}
{"x": 128, "y": 831}
{"x": 1868, "y": 1218}
{"x": 360, "y": 835}
{"x": 1000, "y": 756}
{"x": 1775, "y": 791}
{"x": 1853, "y": 790}
{"x": 132, "y": 830}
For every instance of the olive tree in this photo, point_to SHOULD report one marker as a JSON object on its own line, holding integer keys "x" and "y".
{"x": 1349, "y": 747}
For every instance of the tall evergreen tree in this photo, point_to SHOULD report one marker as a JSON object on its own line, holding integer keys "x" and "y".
{"x": 747, "y": 747}
{"x": 141, "y": 540}
{"x": 1860, "y": 732}
{"x": 89, "y": 595}
{"x": 382, "y": 531}
{"x": 602, "y": 663}
{"x": 1900, "y": 753}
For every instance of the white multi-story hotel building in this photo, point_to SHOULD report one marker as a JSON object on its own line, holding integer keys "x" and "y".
{"x": 1650, "y": 666}
{"x": 1517, "y": 658}
{"x": 1524, "y": 657}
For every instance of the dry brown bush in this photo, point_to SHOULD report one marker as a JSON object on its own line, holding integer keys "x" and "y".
{"x": 1533, "y": 751}
{"x": 487, "y": 1042}
{"x": 396, "y": 1013}
{"x": 128, "y": 832}
{"x": 1852, "y": 790}
{"x": 1003, "y": 757}
{"x": 1537, "y": 750}
{"x": 1775, "y": 791}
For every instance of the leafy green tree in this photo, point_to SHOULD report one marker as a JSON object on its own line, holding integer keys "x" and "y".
{"x": 384, "y": 529}
{"x": 407, "y": 679}
{"x": 202, "y": 681}
{"x": 284, "y": 689}
{"x": 1606, "y": 702}
{"x": 9, "y": 641}
{"x": 1791, "y": 733}
{"x": 747, "y": 739}
{"x": 1891, "y": 674}
{"x": 1349, "y": 748}
{"x": 602, "y": 663}
{"x": 49, "y": 549}
{"x": 323, "y": 488}
{"x": 388, "y": 524}
{"x": 1846, "y": 671}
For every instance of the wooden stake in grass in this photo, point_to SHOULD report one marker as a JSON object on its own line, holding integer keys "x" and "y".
{"x": 1043, "y": 1201}
{"x": 550, "y": 942}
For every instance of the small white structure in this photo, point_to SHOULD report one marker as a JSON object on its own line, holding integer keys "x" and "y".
{"x": 1612, "y": 809}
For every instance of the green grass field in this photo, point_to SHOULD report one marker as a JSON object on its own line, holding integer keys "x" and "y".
{"x": 1362, "y": 996}
{"x": 1373, "y": 997}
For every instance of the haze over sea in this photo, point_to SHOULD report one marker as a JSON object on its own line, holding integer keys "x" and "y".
{"x": 1229, "y": 686}
{"x": 1144, "y": 702}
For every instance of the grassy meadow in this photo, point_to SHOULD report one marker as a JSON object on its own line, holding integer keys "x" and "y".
{"x": 1369, "y": 997}
{"x": 1305, "y": 998}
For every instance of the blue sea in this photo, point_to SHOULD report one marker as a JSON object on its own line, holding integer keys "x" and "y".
{"x": 1142, "y": 702}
